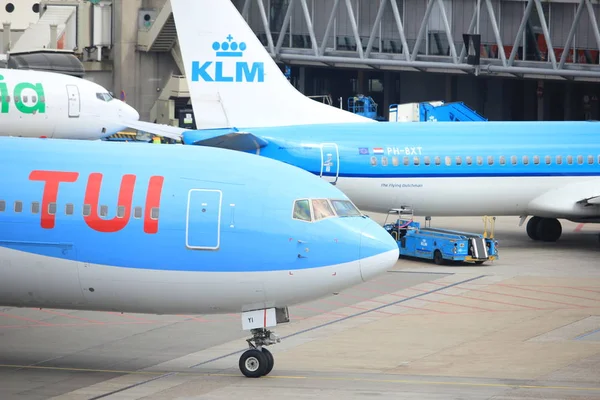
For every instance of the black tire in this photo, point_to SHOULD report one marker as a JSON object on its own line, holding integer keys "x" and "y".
{"x": 479, "y": 262}
{"x": 532, "y": 226}
{"x": 549, "y": 229}
{"x": 270, "y": 360}
{"x": 253, "y": 363}
{"x": 438, "y": 258}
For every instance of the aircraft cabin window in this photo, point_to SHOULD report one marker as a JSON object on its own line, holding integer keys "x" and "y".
{"x": 513, "y": 160}
{"x": 18, "y": 206}
{"x": 137, "y": 212}
{"x": 405, "y": 161}
{"x": 448, "y": 161}
{"x": 525, "y": 160}
{"x": 438, "y": 160}
{"x": 416, "y": 160}
{"x": 458, "y": 160}
{"x": 2, "y": 205}
{"x": 154, "y": 213}
{"x": 384, "y": 161}
{"x": 598, "y": 159}
{"x": 590, "y": 160}
{"x": 479, "y": 160}
{"x": 33, "y": 99}
{"x": 7, "y": 99}
{"x": 17, "y": 99}
{"x": 374, "y": 161}
{"x": 42, "y": 99}
{"x": 559, "y": 160}
{"x": 52, "y": 208}
{"x": 548, "y": 160}
{"x": 322, "y": 209}
{"x": 103, "y": 211}
{"x": 25, "y": 99}
{"x": 490, "y": 160}
{"x": 427, "y": 160}
{"x": 35, "y": 207}
{"x": 569, "y": 160}
{"x": 502, "y": 160}
{"x": 579, "y": 160}
{"x": 302, "y": 210}
{"x": 469, "y": 160}
{"x": 87, "y": 210}
{"x": 536, "y": 160}
{"x": 345, "y": 208}
{"x": 395, "y": 161}
{"x": 69, "y": 208}
{"x": 120, "y": 211}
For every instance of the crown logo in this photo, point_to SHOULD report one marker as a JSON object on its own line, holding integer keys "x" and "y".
{"x": 229, "y": 48}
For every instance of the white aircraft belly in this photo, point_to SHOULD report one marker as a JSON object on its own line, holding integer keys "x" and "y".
{"x": 30, "y": 280}
{"x": 450, "y": 196}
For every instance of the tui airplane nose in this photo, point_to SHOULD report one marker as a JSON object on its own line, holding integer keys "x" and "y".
{"x": 378, "y": 251}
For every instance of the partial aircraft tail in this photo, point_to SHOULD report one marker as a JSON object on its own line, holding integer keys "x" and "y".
{"x": 233, "y": 81}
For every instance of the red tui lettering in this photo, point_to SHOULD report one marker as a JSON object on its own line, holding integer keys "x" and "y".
{"x": 52, "y": 179}
{"x": 92, "y": 195}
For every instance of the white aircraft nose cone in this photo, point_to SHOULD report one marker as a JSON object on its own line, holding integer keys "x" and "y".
{"x": 378, "y": 251}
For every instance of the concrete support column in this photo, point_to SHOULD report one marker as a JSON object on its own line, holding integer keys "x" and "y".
{"x": 361, "y": 85}
{"x": 302, "y": 80}
{"x": 568, "y": 116}
{"x": 389, "y": 93}
{"x": 5, "y": 37}
{"x": 126, "y": 58}
{"x": 540, "y": 100}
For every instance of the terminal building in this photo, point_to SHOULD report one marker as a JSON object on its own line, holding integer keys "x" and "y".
{"x": 507, "y": 59}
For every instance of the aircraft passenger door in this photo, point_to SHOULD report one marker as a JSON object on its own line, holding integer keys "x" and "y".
{"x": 330, "y": 162}
{"x": 203, "y": 220}
{"x": 74, "y": 101}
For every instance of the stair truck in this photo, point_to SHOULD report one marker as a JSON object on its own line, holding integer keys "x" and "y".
{"x": 433, "y": 111}
{"x": 441, "y": 245}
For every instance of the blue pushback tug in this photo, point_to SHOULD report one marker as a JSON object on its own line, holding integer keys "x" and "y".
{"x": 441, "y": 245}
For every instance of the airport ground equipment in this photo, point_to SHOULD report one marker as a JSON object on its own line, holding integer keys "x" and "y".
{"x": 441, "y": 245}
{"x": 433, "y": 111}
{"x": 365, "y": 106}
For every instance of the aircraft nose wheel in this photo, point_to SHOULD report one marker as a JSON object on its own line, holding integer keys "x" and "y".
{"x": 258, "y": 361}
{"x": 253, "y": 363}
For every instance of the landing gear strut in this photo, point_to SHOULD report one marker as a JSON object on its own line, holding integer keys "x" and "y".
{"x": 258, "y": 361}
{"x": 545, "y": 229}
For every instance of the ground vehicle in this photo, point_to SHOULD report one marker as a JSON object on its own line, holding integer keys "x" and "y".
{"x": 441, "y": 245}
{"x": 431, "y": 111}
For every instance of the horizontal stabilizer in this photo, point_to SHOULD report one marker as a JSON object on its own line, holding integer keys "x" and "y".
{"x": 168, "y": 131}
{"x": 231, "y": 139}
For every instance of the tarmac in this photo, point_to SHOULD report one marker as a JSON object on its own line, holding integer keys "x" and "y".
{"x": 526, "y": 326}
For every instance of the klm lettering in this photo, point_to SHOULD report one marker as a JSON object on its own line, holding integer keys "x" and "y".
{"x": 216, "y": 71}
{"x": 35, "y": 92}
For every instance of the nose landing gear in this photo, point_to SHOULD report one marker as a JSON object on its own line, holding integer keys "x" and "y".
{"x": 258, "y": 361}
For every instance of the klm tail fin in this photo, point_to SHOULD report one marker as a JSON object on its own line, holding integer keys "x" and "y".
{"x": 233, "y": 81}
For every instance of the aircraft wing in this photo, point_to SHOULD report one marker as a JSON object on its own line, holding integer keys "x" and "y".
{"x": 224, "y": 138}
{"x": 575, "y": 199}
{"x": 168, "y": 131}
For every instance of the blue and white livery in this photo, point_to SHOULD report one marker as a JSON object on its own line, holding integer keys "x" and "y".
{"x": 548, "y": 170}
{"x": 176, "y": 229}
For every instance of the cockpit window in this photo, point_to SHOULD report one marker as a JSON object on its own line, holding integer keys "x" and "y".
{"x": 322, "y": 209}
{"x": 302, "y": 210}
{"x": 104, "y": 96}
{"x": 345, "y": 208}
